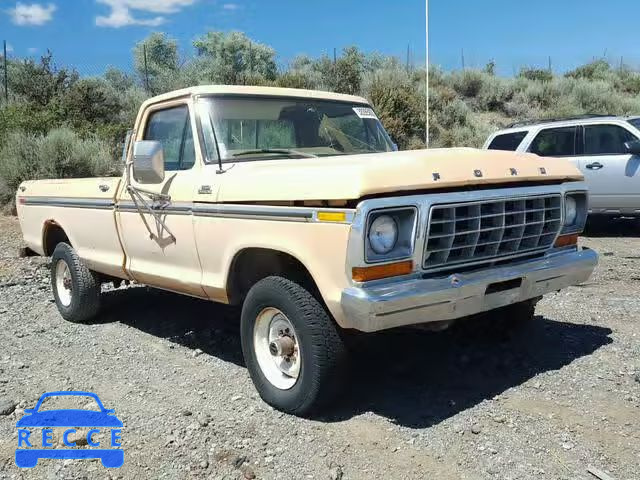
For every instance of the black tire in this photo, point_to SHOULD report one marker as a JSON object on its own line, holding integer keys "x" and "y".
{"x": 512, "y": 317}
{"x": 520, "y": 313}
{"x": 324, "y": 359}
{"x": 85, "y": 286}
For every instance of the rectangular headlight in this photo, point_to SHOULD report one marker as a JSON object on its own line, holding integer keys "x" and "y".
{"x": 574, "y": 213}
{"x": 390, "y": 234}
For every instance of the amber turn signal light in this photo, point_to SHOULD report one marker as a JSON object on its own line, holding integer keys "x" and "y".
{"x": 376, "y": 272}
{"x": 566, "y": 240}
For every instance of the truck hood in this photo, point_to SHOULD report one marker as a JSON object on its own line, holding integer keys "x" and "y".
{"x": 355, "y": 176}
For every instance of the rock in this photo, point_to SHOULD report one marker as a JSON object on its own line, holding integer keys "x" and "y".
{"x": 204, "y": 420}
{"x": 197, "y": 352}
{"x": 238, "y": 460}
{"x": 7, "y": 406}
{"x": 335, "y": 471}
{"x": 80, "y": 438}
{"x": 248, "y": 473}
{"x": 499, "y": 419}
{"x": 186, "y": 413}
{"x": 476, "y": 428}
{"x": 637, "y": 377}
{"x": 204, "y": 464}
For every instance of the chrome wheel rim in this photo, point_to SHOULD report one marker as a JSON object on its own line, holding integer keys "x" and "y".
{"x": 277, "y": 349}
{"x": 64, "y": 283}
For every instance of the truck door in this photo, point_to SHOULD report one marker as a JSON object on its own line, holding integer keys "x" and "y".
{"x": 613, "y": 174}
{"x": 159, "y": 256}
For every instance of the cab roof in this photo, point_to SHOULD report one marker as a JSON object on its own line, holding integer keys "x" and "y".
{"x": 205, "y": 90}
{"x": 568, "y": 121}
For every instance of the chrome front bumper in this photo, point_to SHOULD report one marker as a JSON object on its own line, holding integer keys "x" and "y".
{"x": 422, "y": 300}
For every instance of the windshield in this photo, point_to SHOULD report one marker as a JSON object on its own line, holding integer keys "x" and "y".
{"x": 635, "y": 122}
{"x": 260, "y": 128}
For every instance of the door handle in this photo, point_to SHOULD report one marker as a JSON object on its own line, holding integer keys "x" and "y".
{"x": 595, "y": 166}
{"x": 104, "y": 188}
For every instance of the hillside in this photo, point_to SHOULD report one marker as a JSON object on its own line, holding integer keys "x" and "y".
{"x": 58, "y": 123}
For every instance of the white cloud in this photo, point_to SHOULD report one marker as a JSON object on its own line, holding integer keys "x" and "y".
{"x": 231, "y": 7}
{"x": 122, "y": 16}
{"x": 32, "y": 50}
{"x": 9, "y": 48}
{"x": 32, "y": 14}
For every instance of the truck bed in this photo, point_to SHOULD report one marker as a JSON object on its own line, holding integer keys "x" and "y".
{"x": 88, "y": 203}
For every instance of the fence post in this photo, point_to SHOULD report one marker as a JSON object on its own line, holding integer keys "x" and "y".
{"x": 335, "y": 69}
{"x": 6, "y": 74}
{"x": 408, "y": 53}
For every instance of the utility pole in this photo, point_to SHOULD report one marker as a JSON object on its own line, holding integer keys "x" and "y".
{"x": 463, "y": 69}
{"x": 427, "y": 72}
{"x": 6, "y": 74}
{"x": 550, "y": 70}
{"x": 146, "y": 68}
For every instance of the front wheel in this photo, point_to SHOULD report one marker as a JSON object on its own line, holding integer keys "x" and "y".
{"x": 292, "y": 348}
{"x": 76, "y": 289}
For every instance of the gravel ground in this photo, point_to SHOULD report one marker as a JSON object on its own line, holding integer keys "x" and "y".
{"x": 546, "y": 402}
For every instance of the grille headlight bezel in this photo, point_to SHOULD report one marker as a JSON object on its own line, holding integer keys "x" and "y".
{"x": 574, "y": 221}
{"x": 405, "y": 219}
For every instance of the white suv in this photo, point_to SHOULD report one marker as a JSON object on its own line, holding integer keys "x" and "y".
{"x": 605, "y": 148}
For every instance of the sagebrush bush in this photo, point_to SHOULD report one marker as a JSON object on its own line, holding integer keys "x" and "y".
{"x": 536, "y": 74}
{"x": 59, "y": 154}
{"x": 495, "y": 94}
{"x": 468, "y": 83}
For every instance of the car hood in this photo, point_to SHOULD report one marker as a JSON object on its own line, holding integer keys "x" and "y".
{"x": 69, "y": 418}
{"x": 355, "y": 176}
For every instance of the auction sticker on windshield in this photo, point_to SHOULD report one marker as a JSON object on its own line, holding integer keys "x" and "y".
{"x": 69, "y": 433}
{"x": 365, "y": 112}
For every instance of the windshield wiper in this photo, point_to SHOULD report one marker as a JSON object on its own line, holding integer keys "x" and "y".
{"x": 283, "y": 151}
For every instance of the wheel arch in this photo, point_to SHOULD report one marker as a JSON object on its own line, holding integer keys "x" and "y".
{"x": 52, "y": 234}
{"x": 251, "y": 264}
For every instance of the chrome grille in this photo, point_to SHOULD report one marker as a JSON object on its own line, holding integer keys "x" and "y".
{"x": 483, "y": 231}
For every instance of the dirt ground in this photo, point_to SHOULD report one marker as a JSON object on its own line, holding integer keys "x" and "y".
{"x": 550, "y": 401}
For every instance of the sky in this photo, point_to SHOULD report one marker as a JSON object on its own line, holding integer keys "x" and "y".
{"x": 92, "y": 34}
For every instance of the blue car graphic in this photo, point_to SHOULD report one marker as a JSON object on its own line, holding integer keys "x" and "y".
{"x": 105, "y": 418}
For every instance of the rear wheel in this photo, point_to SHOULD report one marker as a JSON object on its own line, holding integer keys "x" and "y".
{"x": 76, "y": 289}
{"x": 292, "y": 348}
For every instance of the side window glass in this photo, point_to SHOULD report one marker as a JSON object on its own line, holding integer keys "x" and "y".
{"x": 555, "y": 142}
{"x": 606, "y": 139}
{"x": 508, "y": 141}
{"x": 172, "y": 128}
{"x": 188, "y": 148}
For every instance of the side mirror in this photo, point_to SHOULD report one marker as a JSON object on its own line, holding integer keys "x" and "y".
{"x": 633, "y": 147}
{"x": 148, "y": 162}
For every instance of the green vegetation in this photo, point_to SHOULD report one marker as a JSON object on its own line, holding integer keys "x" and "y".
{"x": 61, "y": 153}
{"x": 59, "y": 124}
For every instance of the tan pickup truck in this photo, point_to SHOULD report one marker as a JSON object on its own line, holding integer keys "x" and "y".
{"x": 295, "y": 205}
